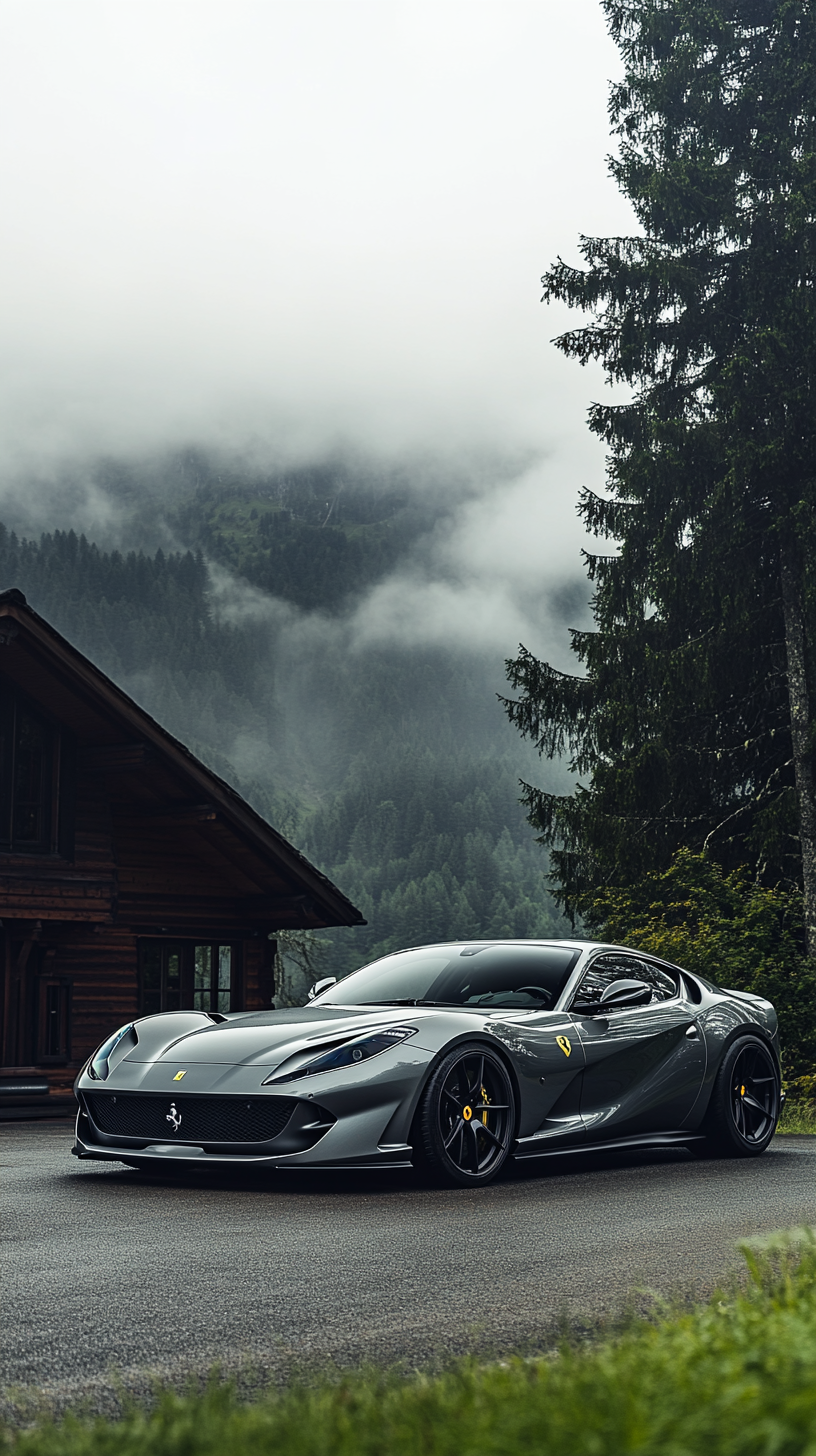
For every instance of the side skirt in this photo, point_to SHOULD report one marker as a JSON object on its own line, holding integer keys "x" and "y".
{"x": 647, "y": 1140}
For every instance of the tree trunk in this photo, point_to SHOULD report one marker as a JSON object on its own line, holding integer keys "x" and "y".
{"x": 798, "y": 697}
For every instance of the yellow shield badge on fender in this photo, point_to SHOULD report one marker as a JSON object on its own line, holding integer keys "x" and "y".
{"x": 179, "y": 1075}
{"x": 565, "y": 1044}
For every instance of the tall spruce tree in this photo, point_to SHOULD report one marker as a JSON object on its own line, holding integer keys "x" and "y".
{"x": 691, "y": 721}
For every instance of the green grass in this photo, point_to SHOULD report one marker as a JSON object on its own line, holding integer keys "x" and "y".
{"x": 736, "y": 1377}
{"x": 798, "y": 1117}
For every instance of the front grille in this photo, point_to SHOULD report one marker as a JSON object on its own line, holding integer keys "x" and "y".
{"x": 203, "y": 1119}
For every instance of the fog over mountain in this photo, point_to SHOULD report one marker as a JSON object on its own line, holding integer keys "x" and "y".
{"x": 283, "y": 234}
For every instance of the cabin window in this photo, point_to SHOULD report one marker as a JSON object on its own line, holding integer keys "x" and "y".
{"x": 187, "y": 975}
{"x": 54, "y": 1027}
{"x": 160, "y": 977}
{"x": 37, "y": 780}
{"x": 212, "y": 988}
{"x": 27, "y": 752}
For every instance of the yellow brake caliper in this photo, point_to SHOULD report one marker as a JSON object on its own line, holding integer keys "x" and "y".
{"x": 485, "y": 1098}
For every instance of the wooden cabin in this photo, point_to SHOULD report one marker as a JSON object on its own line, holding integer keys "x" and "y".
{"x": 132, "y": 878}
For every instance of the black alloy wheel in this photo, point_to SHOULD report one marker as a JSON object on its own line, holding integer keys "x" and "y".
{"x": 466, "y": 1121}
{"x": 745, "y": 1099}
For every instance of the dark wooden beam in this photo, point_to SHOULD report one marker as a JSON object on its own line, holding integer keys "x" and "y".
{"x": 115, "y": 757}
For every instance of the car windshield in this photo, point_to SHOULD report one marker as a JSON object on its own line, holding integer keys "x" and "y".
{"x": 517, "y": 977}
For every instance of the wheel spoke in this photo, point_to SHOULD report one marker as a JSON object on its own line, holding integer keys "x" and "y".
{"x": 454, "y": 1100}
{"x": 460, "y": 1143}
{"x": 750, "y": 1101}
{"x": 457, "y": 1129}
{"x": 474, "y": 1147}
{"x": 485, "y": 1131}
{"x": 470, "y": 1086}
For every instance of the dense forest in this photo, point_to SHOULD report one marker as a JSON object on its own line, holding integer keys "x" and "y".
{"x": 689, "y": 712}
{"x": 393, "y": 768}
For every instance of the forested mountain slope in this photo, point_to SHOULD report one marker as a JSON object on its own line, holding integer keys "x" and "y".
{"x": 392, "y": 768}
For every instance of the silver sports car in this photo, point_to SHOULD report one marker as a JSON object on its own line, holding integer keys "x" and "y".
{"x": 451, "y": 1058}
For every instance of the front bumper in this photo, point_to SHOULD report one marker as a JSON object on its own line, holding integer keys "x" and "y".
{"x": 313, "y": 1137}
{"x": 360, "y": 1117}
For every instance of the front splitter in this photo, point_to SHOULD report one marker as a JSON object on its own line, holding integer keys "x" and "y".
{"x": 162, "y": 1154}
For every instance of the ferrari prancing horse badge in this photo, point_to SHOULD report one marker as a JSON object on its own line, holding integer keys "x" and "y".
{"x": 565, "y": 1044}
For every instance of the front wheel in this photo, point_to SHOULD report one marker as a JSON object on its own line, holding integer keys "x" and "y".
{"x": 745, "y": 1100}
{"x": 466, "y": 1120}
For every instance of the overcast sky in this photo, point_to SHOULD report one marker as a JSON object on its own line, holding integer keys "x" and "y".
{"x": 284, "y": 225}
{"x": 295, "y": 220}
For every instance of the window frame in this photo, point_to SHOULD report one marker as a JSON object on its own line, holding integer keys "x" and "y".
{"x": 215, "y": 991}
{"x": 186, "y": 947}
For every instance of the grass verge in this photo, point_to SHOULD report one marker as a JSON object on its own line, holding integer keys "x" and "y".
{"x": 798, "y": 1117}
{"x": 736, "y": 1377}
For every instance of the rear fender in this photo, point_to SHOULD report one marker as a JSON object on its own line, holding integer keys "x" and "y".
{"x": 716, "y": 1054}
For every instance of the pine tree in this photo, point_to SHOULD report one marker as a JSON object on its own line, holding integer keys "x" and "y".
{"x": 691, "y": 722}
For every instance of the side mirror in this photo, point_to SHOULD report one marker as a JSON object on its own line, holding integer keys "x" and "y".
{"x": 627, "y": 993}
{"x": 618, "y": 994}
{"x": 319, "y": 986}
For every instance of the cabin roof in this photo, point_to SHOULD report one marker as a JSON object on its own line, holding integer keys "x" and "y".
{"x": 115, "y": 736}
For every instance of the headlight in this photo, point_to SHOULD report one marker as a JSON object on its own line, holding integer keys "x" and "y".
{"x": 348, "y": 1055}
{"x": 99, "y": 1065}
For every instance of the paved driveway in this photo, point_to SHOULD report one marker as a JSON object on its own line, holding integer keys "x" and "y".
{"x": 104, "y": 1269}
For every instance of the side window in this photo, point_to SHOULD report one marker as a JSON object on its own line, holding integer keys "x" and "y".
{"x": 663, "y": 983}
{"x": 608, "y": 968}
{"x": 600, "y": 974}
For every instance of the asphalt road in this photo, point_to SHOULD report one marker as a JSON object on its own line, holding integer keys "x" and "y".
{"x": 110, "y": 1279}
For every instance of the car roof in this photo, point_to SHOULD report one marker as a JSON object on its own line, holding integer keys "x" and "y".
{"x": 573, "y": 944}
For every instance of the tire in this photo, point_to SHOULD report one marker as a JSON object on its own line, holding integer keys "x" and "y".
{"x": 466, "y": 1120}
{"x": 745, "y": 1100}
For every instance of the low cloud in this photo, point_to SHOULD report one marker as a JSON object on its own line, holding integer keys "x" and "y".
{"x": 497, "y": 571}
{"x": 502, "y": 566}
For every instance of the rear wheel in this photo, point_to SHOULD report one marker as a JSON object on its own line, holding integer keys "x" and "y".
{"x": 745, "y": 1100}
{"x": 464, "y": 1129}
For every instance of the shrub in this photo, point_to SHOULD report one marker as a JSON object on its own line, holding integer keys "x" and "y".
{"x": 729, "y": 930}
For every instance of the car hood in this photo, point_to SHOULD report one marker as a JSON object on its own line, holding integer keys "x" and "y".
{"x": 266, "y": 1038}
